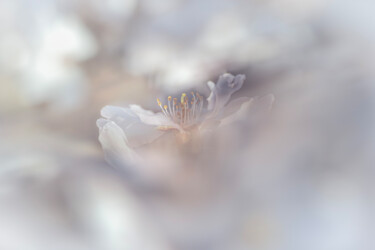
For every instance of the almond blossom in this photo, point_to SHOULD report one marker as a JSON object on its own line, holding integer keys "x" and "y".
{"x": 124, "y": 131}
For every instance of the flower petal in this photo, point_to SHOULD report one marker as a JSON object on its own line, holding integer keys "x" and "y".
{"x": 222, "y": 91}
{"x": 137, "y": 132}
{"x": 213, "y": 120}
{"x": 211, "y": 85}
{"x": 140, "y": 134}
{"x": 111, "y": 111}
{"x": 115, "y": 144}
{"x": 263, "y": 104}
{"x": 151, "y": 118}
{"x": 123, "y": 117}
{"x": 256, "y": 108}
{"x": 234, "y": 106}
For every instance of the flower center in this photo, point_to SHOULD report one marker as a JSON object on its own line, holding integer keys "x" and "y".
{"x": 185, "y": 112}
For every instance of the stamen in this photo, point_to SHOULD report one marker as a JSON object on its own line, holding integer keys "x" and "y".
{"x": 186, "y": 112}
{"x": 174, "y": 105}
{"x": 161, "y": 107}
{"x": 193, "y": 103}
{"x": 183, "y": 98}
{"x": 200, "y": 104}
{"x": 169, "y": 105}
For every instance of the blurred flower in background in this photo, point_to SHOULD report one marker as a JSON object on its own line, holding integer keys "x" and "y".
{"x": 301, "y": 177}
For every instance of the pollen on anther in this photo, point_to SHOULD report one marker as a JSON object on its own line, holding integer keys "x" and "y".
{"x": 165, "y": 107}
{"x": 159, "y": 103}
{"x": 183, "y": 97}
{"x": 169, "y": 98}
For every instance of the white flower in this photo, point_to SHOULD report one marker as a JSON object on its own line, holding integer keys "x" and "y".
{"x": 125, "y": 131}
{"x": 185, "y": 159}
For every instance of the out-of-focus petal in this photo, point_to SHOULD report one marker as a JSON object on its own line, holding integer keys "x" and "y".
{"x": 137, "y": 132}
{"x": 211, "y": 85}
{"x": 151, "y": 118}
{"x": 222, "y": 91}
{"x": 123, "y": 117}
{"x": 114, "y": 143}
{"x": 264, "y": 103}
{"x": 209, "y": 124}
{"x": 213, "y": 120}
{"x": 233, "y": 107}
{"x": 255, "y": 108}
{"x": 111, "y": 111}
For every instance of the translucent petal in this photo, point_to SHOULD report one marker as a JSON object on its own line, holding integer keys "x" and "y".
{"x": 115, "y": 144}
{"x": 255, "y": 108}
{"x": 234, "y": 106}
{"x": 213, "y": 120}
{"x": 137, "y": 132}
{"x": 111, "y": 111}
{"x": 263, "y": 104}
{"x": 222, "y": 91}
{"x": 211, "y": 85}
{"x": 140, "y": 134}
{"x": 151, "y": 118}
{"x": 123, "y": 117}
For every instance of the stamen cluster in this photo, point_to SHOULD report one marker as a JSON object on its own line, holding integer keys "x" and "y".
{"x": 185, "y": 113}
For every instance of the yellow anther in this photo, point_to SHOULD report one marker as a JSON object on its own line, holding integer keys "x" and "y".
{"x": 159, "y": 103}
{"x": 174, "y": 101}
{"x": 169, "y": 98}
{"x": 183, "y": 98}
{"x": 165, "y": 107}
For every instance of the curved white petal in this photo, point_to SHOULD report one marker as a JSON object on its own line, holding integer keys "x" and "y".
{"x": 140, "y": 134}
{"x": 269, "y": 100}
{"x": 151, "y": 118}
{"x": 234, "y": 106}
{"x": 123, "y": 117}
{"x": 211, "y": 85}
{"x": 222, "y": 91}
{"x": 263, "y": 104}
{"x": 137, "y": 132}
{"x": 254, "y": 108}
{"x": 115, "y": 144}
{"x": 110, "y": 111}
{"x": 213, "y": 120}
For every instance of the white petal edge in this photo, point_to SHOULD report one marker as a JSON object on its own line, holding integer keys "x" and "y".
{"x": 234, "y": 106}
{"x": 221, "y": 92}
{"x": 211, "y": 85}
{"x": 255, "y": 108}
{"x": 112, "y": 111}
{"x": 214, "y": 120}
{"x": 137, "y": 132}
{"x": 151, "y": 118}
{"x": 115, "y": 144}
